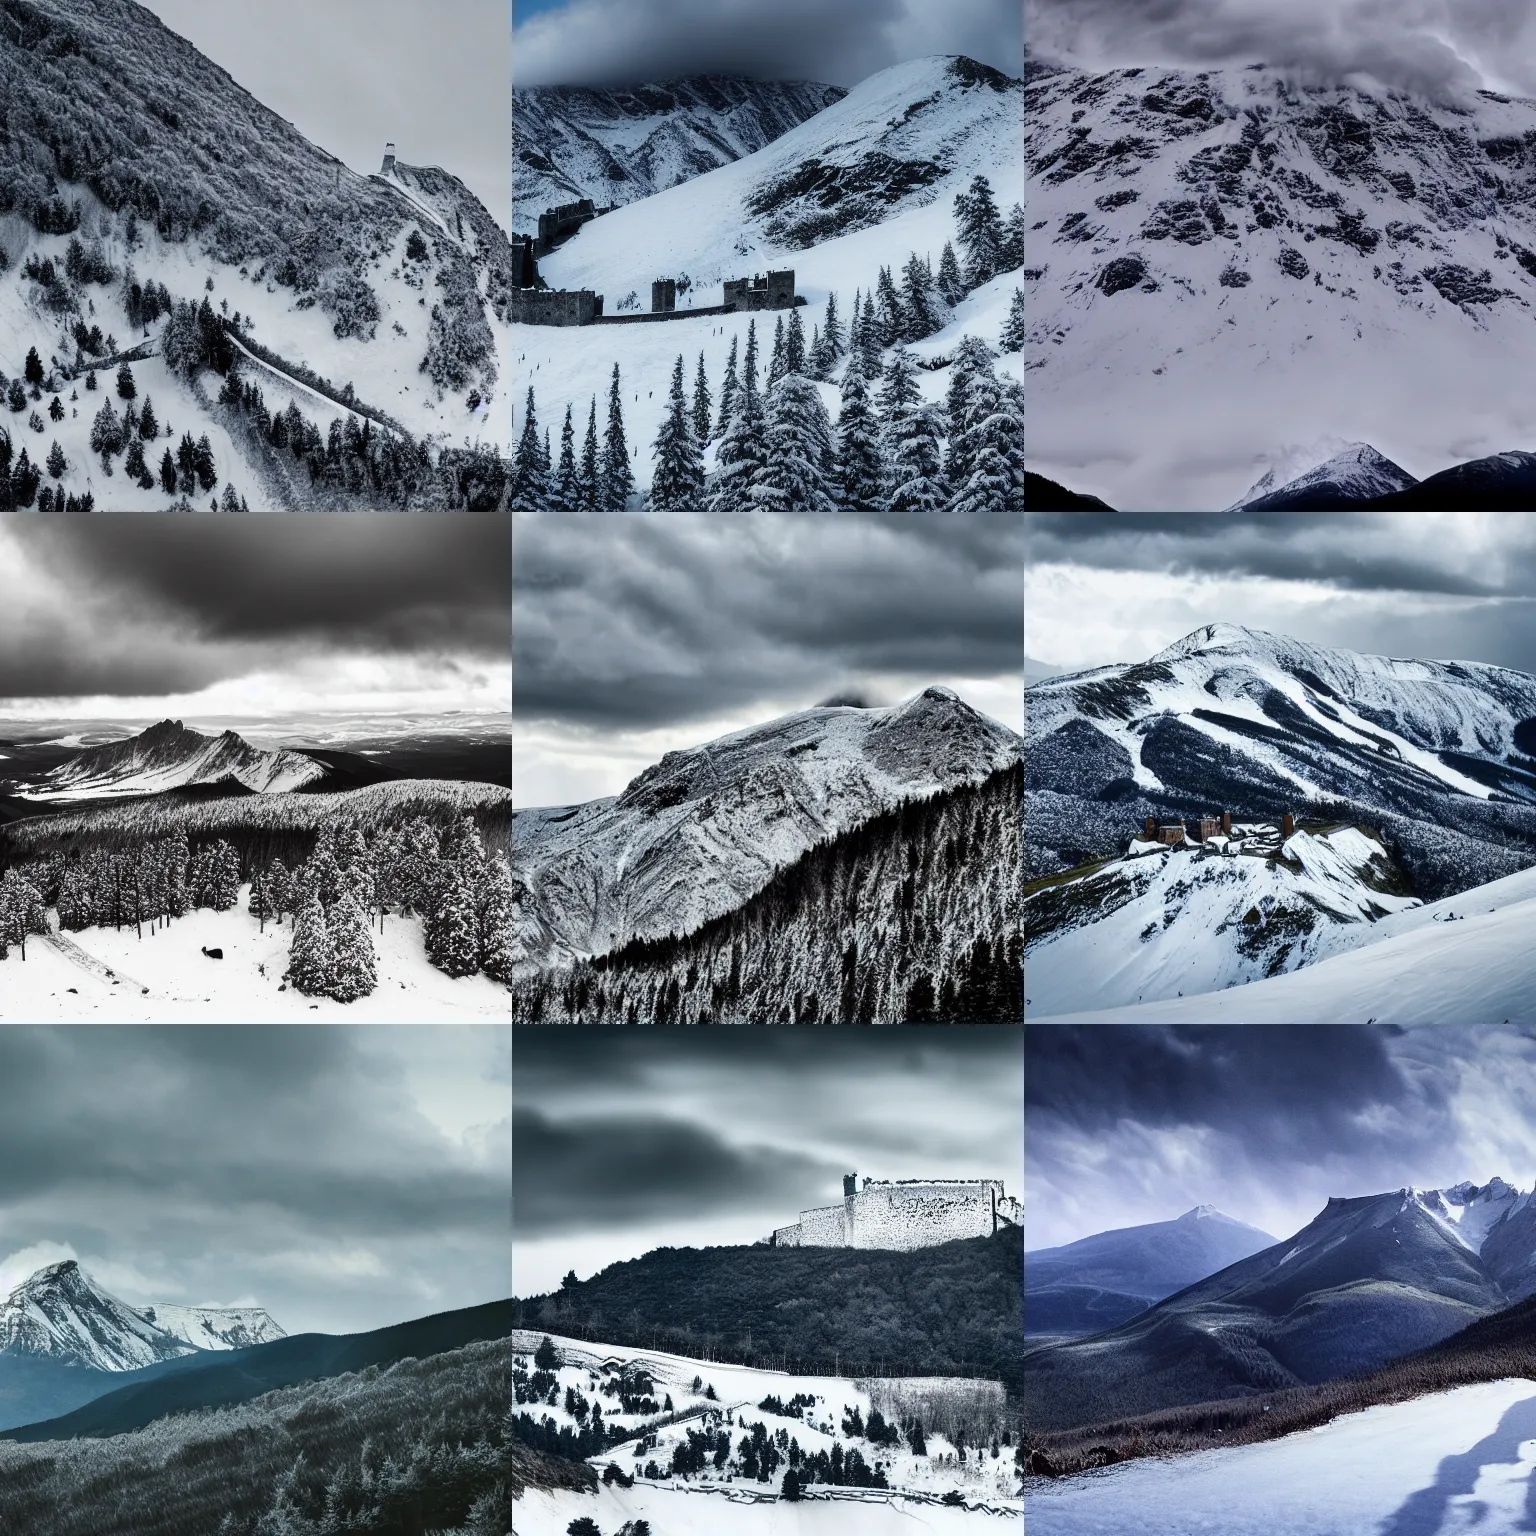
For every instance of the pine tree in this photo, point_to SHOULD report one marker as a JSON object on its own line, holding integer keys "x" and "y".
{"x": 728, "y": 389}
{"x": 168, "y": 473}
{"x": 951, "y": 285}
{"x": 855, "y": 328}
{"x": 56, "y": 461}
{"x": 496, "y": 921}
{"x": 310, "y": 958}
{"x": 794, "y": 344}
{"x": 972, "y": 357}
{"x": 912, "y": 439}
{"x": 529, "y": 488}
{"x": 33, "y": 368}
{"x": 565, "y": 489}
{"x": 891, "y": 318}
{"x": 133, "y": 462}
{"x": 1012, "y": 338}
{"x": 993, "y": 449}
{"x": 679, "y": 477}
{"x": 919, "y": 303}
{"x": 981, "y": 232}
{"x": 800, "y": 455}
{"x": 588, "y": 480}
{"x": 1013, "y": 239}
{"x": 56, "y": 409}
{"x": 617, "y": 480}
{"x": 860, "y": 469}
{"x": 776, "y": 363}
{"x": 149, "y": 427}
{"x": 354, "y": 970}
{"x": 701, "y": 406}
{"x": 25, "y": 479}
{"x": 126, "y": 388}
{"x": 260, "y": 899}
{"x": 453, "y": 931}
{"x": 818, "y": 361}
{"x": 106, "y": 430}
{"x": 869, "y": 340}
{"x": 202, "y": 464}
{"x": 832, "y": 331}
{"x": 740, "y": 455}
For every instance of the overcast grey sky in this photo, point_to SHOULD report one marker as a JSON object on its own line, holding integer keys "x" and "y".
{"x": 635, "y": 636}
{"x": 350, "y": 74}
{"x": 1439, "y": 47}
{"x": 1102, "y": 588}
{"x": 629, "y": 1140}
{"x": 626, "y": 42}
{"x": 342, "y": 1178}
{"x": 145, "y": 615}
{"x": 1133, "y": 1124}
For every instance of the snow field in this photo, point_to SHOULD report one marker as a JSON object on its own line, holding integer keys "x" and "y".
{"x": 164, "y": 977}
{"x": 1450, "y": 1462}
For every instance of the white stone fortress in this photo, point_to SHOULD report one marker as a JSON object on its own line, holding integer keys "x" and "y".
{"x": 904, "y": 1214}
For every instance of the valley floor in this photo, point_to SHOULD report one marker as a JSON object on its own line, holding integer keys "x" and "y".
{"x": 1454, "y": 1461}
{"x": 107, "y": 976}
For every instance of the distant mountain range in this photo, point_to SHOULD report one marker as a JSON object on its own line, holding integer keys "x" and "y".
{"x": 1368, "y": 1280}
{"x": 1101, "y": 1281}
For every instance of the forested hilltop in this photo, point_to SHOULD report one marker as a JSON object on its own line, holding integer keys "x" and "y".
{"x": 911, "y": 917}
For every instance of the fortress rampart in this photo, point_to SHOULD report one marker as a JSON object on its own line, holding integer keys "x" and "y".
{"x": 904, "y": 1214}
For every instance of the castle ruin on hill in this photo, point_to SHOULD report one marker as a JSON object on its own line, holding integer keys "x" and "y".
{"x": 904, "y": 1214}
{"x": 1211, "y": 831}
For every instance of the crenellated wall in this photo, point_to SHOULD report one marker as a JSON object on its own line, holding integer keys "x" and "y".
{"x": 904, "y": 1215}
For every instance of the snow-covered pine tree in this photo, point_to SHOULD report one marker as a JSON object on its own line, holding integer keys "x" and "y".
{"x": 794, "y": 477}
{"x": 728, "y": 387}
{"x": 981, "y": 232}
{"x": 126, "y": 388}
{"x": 818, "y": 361}
{"x": 354, "y": 967}
{"x": 279, "y": 885}
{"x": 679, "y": 476}
{"x": 106, "y": 431}
{"x": 950, "y": 284}
{"x": 891, "y": 318}
{"x": 776, "y": 362}
{"x": 149, "y": 426}
{"x": 972, "y": 357}
{"x": 21, "y": 911}
{"x": 741, "y": 451}
{"x": 919, "y": 303}
{"x": 496, "y": 920}
{"x": 453, "y": 930}
{"x": 912, "y": 439}
{"x": 1012, "y": 338}
{"x": 203, "y": 465}
{"x": 565, "y": 489}
{"x": 855, "y": 324}
{"x": 860, "y": 468}
{"x": 832, "y": 331}
{"x": 309, "y": 957}
{"x": 529, "y": 487}
{"x": 260, "y": 899}
{"x": 1012, "y": 253}
{"x": 546, "y": 460}
{"x": 223, "y": 876}
{"x": 993, "y": 450}
{"x": 794, "y": 344}
{"x": 57, "y": 463}
{"x": 870, "y": 343}
{"x": 589, "y": 477}
{"x": 701, "y": 406}
{"x": 616, "y": 480}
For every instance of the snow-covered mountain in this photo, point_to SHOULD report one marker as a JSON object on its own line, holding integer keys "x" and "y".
{"x": 1368, "y": 1280}
{"x": 614, "y": 146}
{"x": 1226, "y": 261}
{"x": 697, "y": 834}
{"x": 170, "y": 756}
{"x": 138, "y": 176}
{"x": 1357, "y": 473}
{"x": 214, "y": 1327}
{"x": 1438, "y": 756}
{"x": 1101, "y": 1281}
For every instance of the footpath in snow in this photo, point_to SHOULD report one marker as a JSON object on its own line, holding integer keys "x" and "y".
{"x": 1455, "y": 1461}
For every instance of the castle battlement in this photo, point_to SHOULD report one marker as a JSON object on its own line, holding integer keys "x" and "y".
{"x": 904, "y": 1214}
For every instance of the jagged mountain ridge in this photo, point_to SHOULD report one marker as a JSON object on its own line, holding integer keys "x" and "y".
{"x": 616, "y": 146}
{"x": 59, "y": 1313}
{"x": 697, "y": 834}
{"x": 1369, "y": 1279}
{"x": 1356, "y": 474}
{"x": 182, "y": 177}
{"x": 1230, "y": 250}
{"x": 1102, "y": 1280}
{"x": 1439, "y": 757}
{"x": 170, "y": 756}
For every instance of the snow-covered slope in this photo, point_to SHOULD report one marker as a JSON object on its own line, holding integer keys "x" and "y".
{"x": 1173, "y": 922}
{"x": 1102, "y": 1280}
{"x": 1230, "y": 267}
{"x": 1460, "y": 1460}
{"x": 616, "y": 146}
{"x": 169, "y": 756}
{"x": 62, "y": 1313}
{"x": 699, "y": 832}
{"x": 1357, "y": 473}
{"x": 215, "y": 1327}
{"x": 130, "y": 148}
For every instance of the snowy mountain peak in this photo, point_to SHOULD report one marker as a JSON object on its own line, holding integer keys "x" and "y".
{"x": 215, "y": 1327}
{"x": 1357, "y": 473}
{"x": 1215, "y": 637}
{"x": 1203, "y": 1213}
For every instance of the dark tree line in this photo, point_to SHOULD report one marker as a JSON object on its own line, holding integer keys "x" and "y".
{"x": 912, "y": 917}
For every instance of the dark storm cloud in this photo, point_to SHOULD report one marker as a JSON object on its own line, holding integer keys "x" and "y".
{"x": 151, "y": 604}
{"x": 604, "y": 42}
{"x": 351, "y": 74}
{"x": 1278, "y": 1089}
{"x": 614, "y": 1171}
{"x": 664, "y": 620}
{"x": 1443, "y": 48}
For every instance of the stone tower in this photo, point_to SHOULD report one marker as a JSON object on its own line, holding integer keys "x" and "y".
{"x": 1287, "y": 825}
{"x": 389, "y": 160}
{"x": 850, "y": 1184}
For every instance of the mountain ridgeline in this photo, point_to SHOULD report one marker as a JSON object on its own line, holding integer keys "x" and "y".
{"x": 910, "y": 917}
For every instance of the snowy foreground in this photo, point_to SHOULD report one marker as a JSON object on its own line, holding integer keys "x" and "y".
{"x": 1455, "y": 1461}
{"x": 110, "y": 976}
{"x": 724, "y": 1498}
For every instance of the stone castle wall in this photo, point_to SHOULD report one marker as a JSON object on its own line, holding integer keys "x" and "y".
{"x": 916, "y": 1214}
